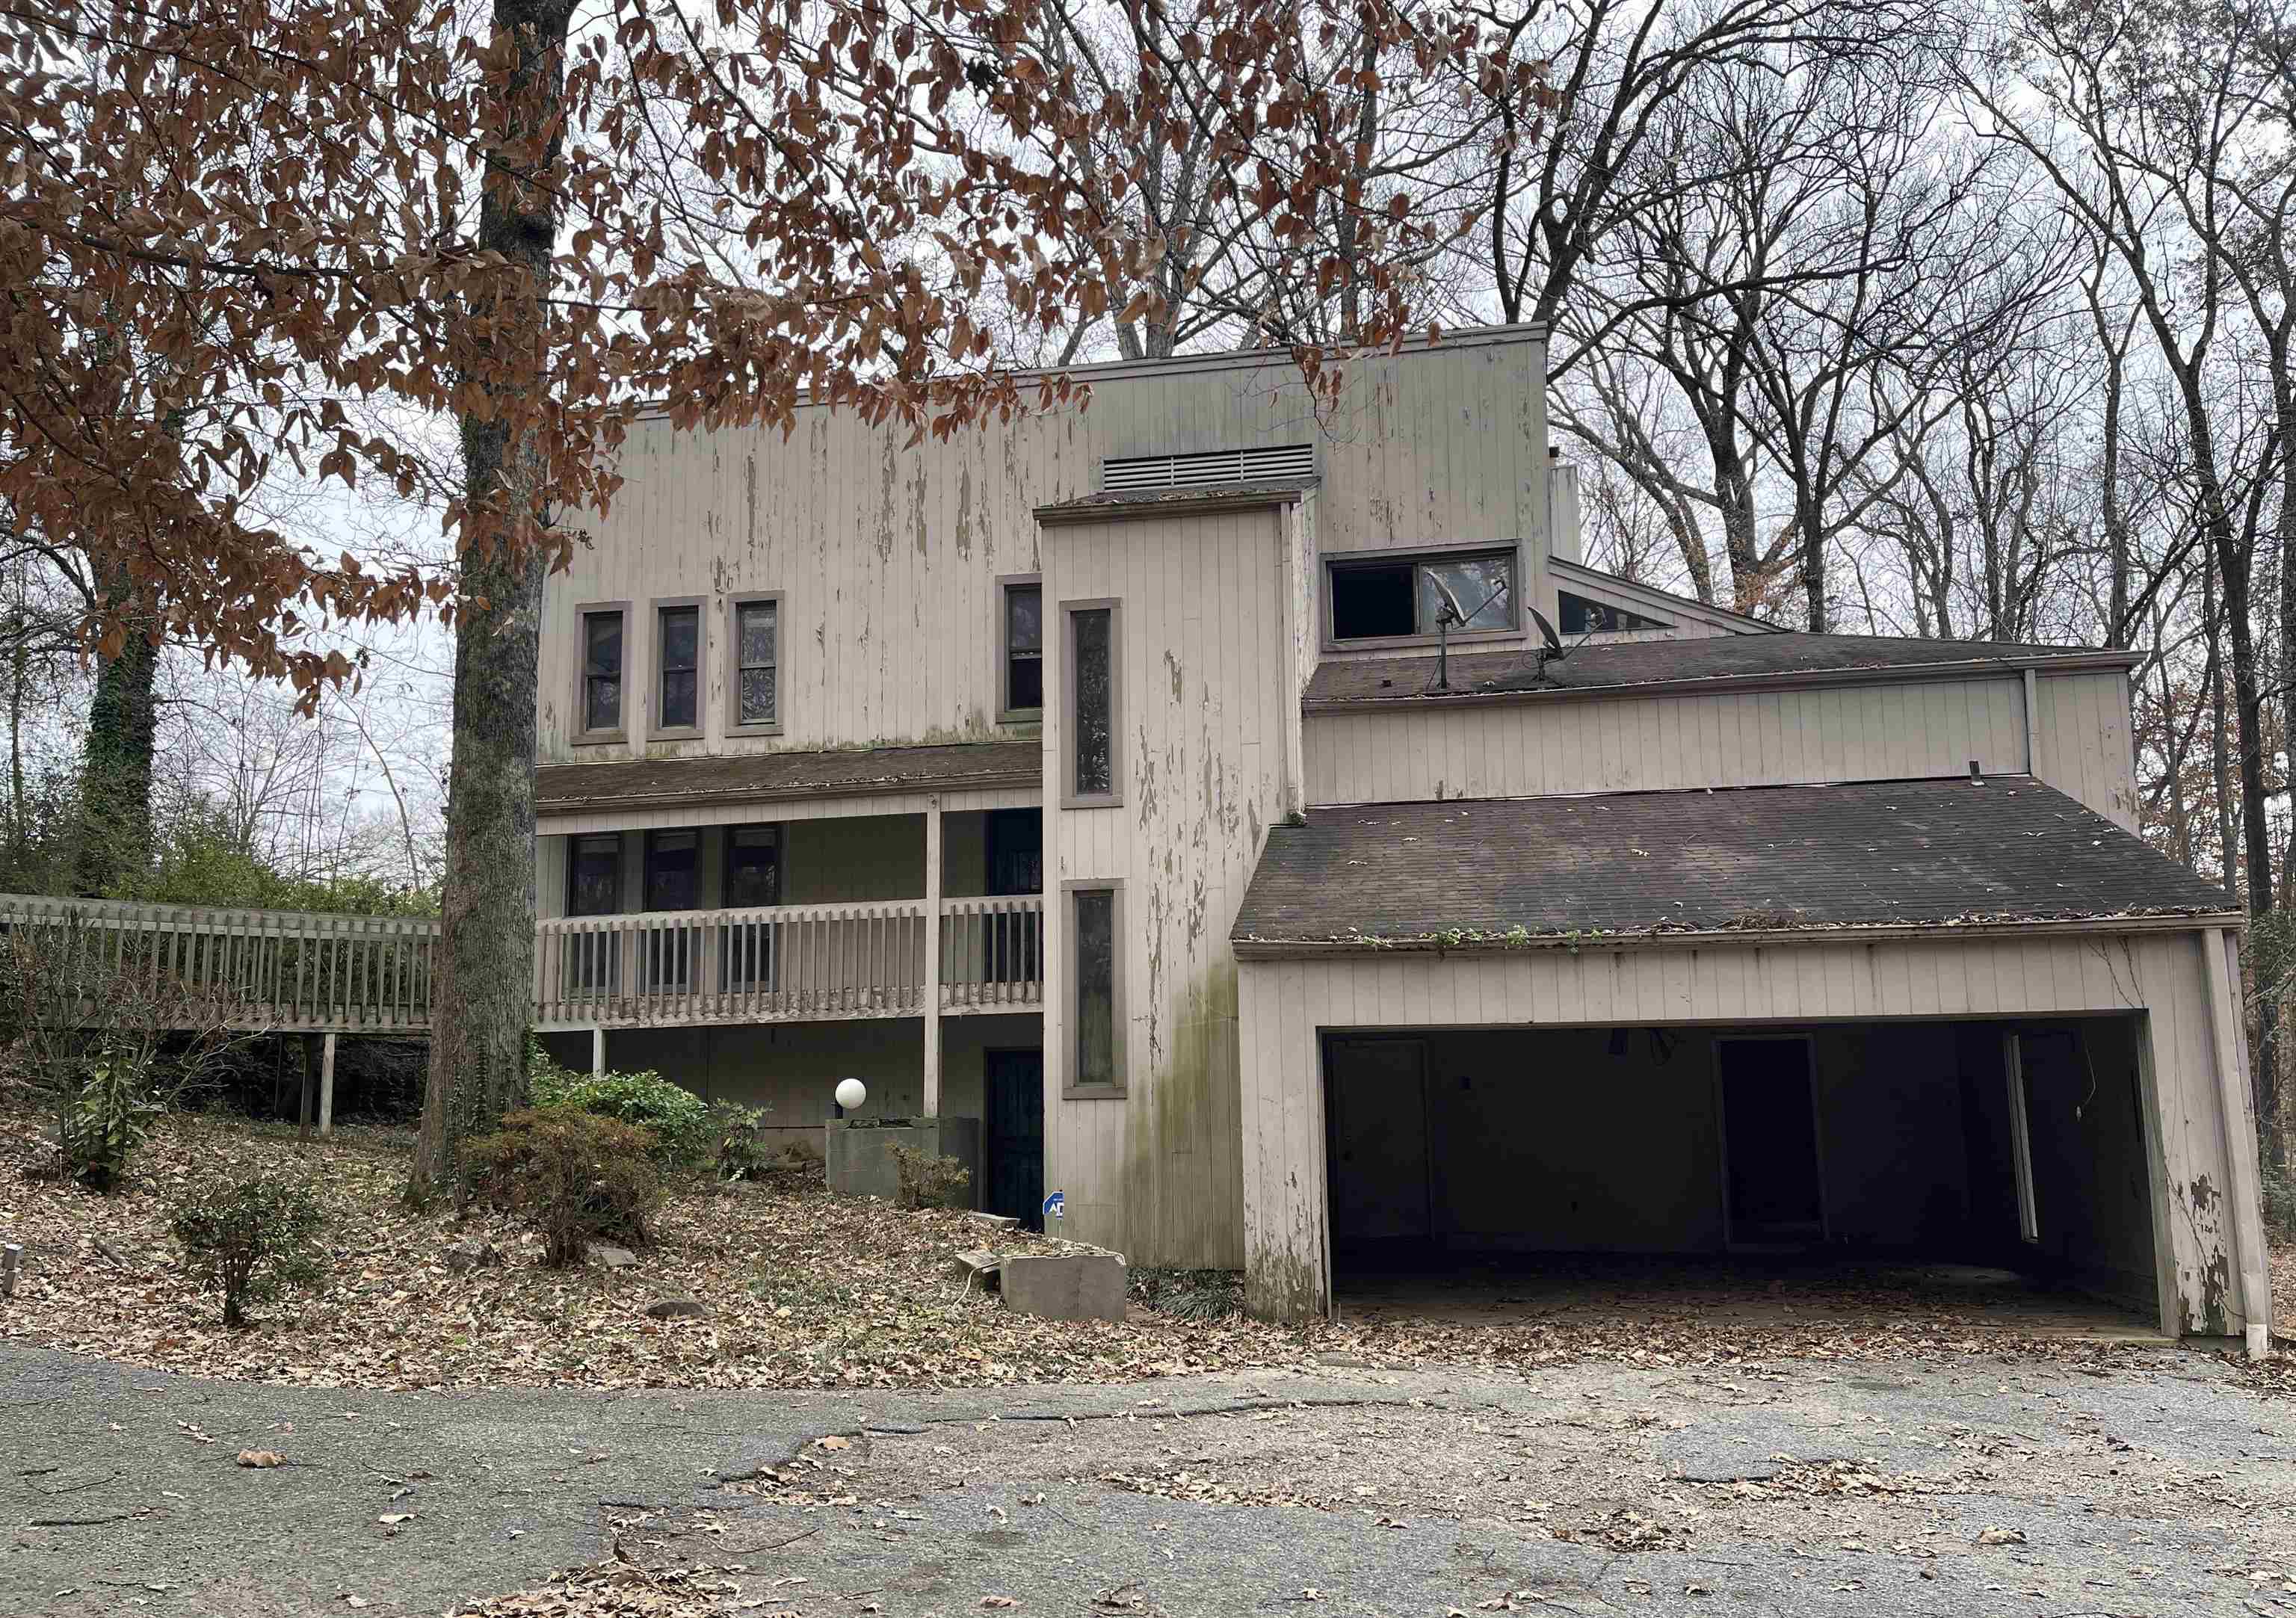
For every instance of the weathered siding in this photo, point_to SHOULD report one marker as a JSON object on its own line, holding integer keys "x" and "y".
{"x": 1201, "y": 712}
{"x": 1755, "y": 738}
{"x": 1285, "y": 1004}
{"x": 887, "y": 553}
{"x": 2082, "y": 742}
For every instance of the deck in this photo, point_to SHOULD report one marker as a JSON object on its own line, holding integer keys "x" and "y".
{"x": 307, "y": 972}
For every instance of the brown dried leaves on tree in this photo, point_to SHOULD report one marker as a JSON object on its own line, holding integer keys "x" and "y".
{"x": 226, "y": 227}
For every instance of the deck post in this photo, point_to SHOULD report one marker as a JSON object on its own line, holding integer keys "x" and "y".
{"x": 327, "y": 1086}
{"x": 932, "y": 955}
{"x": 597, "y": 1047}
{"x": 303, "y": 1090}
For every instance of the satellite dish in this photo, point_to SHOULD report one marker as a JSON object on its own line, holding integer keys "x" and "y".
{"x": 1554, "y": 647}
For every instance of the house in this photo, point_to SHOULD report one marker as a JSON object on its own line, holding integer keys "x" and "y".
{"x": 1185, "y": 787}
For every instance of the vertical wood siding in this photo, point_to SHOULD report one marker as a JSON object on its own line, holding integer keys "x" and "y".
{"x": 1201, "y": 712}
{"x": 2082, "y": 742}
{"x": 1754, "y": 738}
{"x": 886, "y": 554}
{"x": 1285, "y": 1005}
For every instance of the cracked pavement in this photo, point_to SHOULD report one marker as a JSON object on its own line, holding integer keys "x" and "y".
{"x": 1981, "y": 1486}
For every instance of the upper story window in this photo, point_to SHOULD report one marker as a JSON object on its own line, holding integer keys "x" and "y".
{"x": 1581, "y": 616}
{"x": 1022, "y": 640}
{"x": 1278, "y": 464}
{"x": 601, "y": 669}
{"x": 677, "y": 700}
{"x": 757, "y": 658}
{"x": 1091, "y": 717}
{"x": 1389, "y": 597}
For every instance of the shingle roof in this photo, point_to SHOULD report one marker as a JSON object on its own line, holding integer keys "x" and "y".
{"x": 1900, "y": 853}
{"x": 1627, "y": 663}
{"x": 563, "y": 788}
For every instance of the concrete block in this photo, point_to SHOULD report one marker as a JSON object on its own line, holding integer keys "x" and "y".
{"x": 859, "y": 1162}
{"x": 1065, "y": 1286}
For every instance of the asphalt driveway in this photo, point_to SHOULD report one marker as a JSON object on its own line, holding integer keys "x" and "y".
{"x": 1981, "y": 1486}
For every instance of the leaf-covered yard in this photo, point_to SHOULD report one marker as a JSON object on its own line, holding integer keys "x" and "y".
{"x": 797, "y": 1288}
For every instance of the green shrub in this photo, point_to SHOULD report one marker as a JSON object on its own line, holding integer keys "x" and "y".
{"x": 740, "y": 1132}
{"x": 930, "y": 1181}
{"x": 683, "y": 1134}
{"x": 103, "y": 1122}
{"x": 573, "y": 1175}
{"x": 248, "y": 1238}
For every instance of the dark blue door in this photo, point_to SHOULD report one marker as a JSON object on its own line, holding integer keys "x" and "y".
{"x": 1015, "y": 1147}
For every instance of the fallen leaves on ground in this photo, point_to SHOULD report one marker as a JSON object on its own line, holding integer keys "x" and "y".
{"x": 801, "y": 1289}
{"x": 260, "y": 1458}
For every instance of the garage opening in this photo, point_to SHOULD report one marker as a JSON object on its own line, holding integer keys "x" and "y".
{"x": 1996, "y": 1169}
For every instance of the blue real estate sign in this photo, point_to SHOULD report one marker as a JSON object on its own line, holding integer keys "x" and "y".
{"x": 1056, "y": 1205}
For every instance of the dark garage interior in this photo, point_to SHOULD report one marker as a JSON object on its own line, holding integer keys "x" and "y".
{"x": 1627, "y": 1169}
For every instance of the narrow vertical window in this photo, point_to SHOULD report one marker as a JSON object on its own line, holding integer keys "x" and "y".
{"x": 757, "y": 663}
{"x": 1091, "y": 930}
{"x": 1024, "y": 648}
{"x": 1091, "y": 702}
{"x": 602, "y": 671}
{"x": 679, "y": 636}
{"x": 593, "y": 876}
{"x": 753, "y": 867}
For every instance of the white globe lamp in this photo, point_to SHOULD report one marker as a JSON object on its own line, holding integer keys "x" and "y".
{"x": 851, "y": 1093}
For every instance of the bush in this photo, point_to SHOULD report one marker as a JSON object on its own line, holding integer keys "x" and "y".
{"x": 248, "y": 1238}
{"x": 741, "y": 1134}
{"x": 930, "y": 1181}
{"x": 2279, "y": 1201}
{"x": 573, "y": 1175}
{"x": 683, "y": 1134}
{"x": 103, "y": 1122}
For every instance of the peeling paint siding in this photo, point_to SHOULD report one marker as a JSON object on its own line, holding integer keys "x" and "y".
{"x": 1757, "y": 738}
{"x": 1284, "y": 1005}
{"x": 2083, "y": 742}
{"x": 888, "y": 555}
{"x": 1203, "y": 707}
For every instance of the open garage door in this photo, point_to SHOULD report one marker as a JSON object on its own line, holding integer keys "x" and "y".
{"x": 1911, "y": 1149}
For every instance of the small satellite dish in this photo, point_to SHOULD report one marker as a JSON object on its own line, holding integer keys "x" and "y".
{"x": 851, "y": 1093}
{"x": 1554, "y": 647}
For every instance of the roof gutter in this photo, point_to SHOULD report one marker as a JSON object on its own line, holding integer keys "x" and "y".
{"x": 1737, "y": 938}
{"x": 1870, "y": 675}
{"x": 548, "y": 808}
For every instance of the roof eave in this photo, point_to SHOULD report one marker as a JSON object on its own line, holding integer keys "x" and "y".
{"x": 768, "y": 794}
{"x": 1864, "y": 675}
{"x": 1268, "y": 948}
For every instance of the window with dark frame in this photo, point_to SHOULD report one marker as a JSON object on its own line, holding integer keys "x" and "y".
{"x": 757, "y": 655}
{"x": 594, "y": 887}
{"x": 673, "y": 881}
{"x": 753, "y": 879}
{"x": 1091, "y": 930}
{"x": 679, "y": 636}
{"x": 1380, "y": 598}
{"x": 1091, "y": 702}
{"x": 1024, "y": 648}
{"x": 602, "y": 671}
{"x": 1582, "y": 616}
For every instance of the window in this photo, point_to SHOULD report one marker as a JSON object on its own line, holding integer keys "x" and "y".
{"x": 1581, "y": 616}
{"x": 673, "y": 881}
{"x": 1391, "y": 597}
{"x": 678, "y": 701}
{"x": 602, "y": 671}
{"x": 1021, "y": 635}
{"x": 757, "y": 653}
{"x": 753, "y": 879}
{"x": 1097, "y": 1044}
{"x": 1092, "y": 704}
{"x": 594, "y": 887}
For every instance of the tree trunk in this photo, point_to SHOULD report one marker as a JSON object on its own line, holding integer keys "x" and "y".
{"x": 484, "y": 992}
{"x": 2220, "y": 732}
{"x": 115, "y": 783}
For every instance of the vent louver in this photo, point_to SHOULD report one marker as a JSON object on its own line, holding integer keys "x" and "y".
{"x": 1286, "y": 463}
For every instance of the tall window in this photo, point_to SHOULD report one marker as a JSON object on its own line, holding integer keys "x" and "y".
{"x": 601, "y": 669}
{"x": 594, "y": 887}
{"x": 1092, "y": 698}
{"x": 673, "y": 881}
{"x": 753, "y": 879}
{"x": 1378, "y": 598}
{"x": 678, "y": 704}
{"x": 1093, "y": 1007}
{"x": 1024, "y": 648}
{"x": 756, "y": 662}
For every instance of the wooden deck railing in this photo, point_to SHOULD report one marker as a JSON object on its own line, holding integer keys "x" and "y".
{"x": 284, "y": 969}
{"x": 303, "y": 972}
